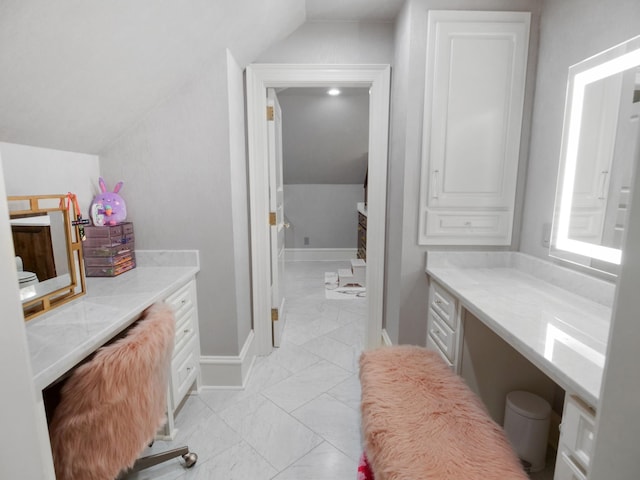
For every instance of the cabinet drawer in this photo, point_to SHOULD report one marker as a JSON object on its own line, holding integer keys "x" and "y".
{"x": 181, "y": 300}
{"x": 444, "y": 304}
{"x": 468, "y": 224}
{"x": 442, "y": 335}
{"x": 578, "y": 431}
{"x": 432, "y": 345}
{"x": 567, "y": 469}
{"x": 184, "y": 369}
{"x": 450, "y": 227}
{"x": 185, "y": 330}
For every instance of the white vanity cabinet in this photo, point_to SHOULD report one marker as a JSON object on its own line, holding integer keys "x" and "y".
{"x": 444, "y": 325}
{"x": 476, "y": 70}
{"x": 577, "y": 440}
{"x": 185, "y": 370}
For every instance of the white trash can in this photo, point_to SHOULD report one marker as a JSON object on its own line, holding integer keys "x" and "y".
{"x": 526, "y": 422}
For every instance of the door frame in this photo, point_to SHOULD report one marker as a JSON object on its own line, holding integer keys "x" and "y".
{"x": 259, "y": 77}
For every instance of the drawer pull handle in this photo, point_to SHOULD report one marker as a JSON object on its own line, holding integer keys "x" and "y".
{"x": 183, "y": 301}
{"x": 186, "y": 331}
{"x": 467, "y": 224}
{"x": 435, "y": 331}
{"x": 438, "y": 301}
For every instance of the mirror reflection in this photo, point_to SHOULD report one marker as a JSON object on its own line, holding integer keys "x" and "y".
{"x": 599, "y": 149}
{"x": 47, "y": 252}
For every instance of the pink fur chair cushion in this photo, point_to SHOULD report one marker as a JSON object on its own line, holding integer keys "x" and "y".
{"x": 421, "y": 422}
{"x": 112, "y": 406}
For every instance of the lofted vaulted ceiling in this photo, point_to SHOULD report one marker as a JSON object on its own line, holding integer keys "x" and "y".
{"x": 354, "y": 10}
{"x": 76, "y": 74}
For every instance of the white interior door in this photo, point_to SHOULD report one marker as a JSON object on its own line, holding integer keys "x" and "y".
{"x": 276, "y": 209}
{"x": 259, "y": 79}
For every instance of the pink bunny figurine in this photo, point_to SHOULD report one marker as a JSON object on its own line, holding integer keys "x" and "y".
{"x": 108, "y": 208}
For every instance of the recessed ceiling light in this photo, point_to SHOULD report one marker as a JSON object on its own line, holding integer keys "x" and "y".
{"x": 333, "y": 92}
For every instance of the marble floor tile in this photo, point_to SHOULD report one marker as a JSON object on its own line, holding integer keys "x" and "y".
{"x": 300, "y": 334}
{"x": 305, "y": 385}
{"x": 265, "y": 372}
{"x": 311, "y": 306}
{"x": 343, "y": 355}
{"x": 191, "y": 414}
{"x": 221, "y": 399}
{"x": 209, "y": 438}
{"x": 334, "y": 421}
{"x": 348, "y": 392}
{"x": 351, "y": 334}
{"x": 324, "y": 462}
{"x": 277, "y": 436}
{"x": 240, "y": 462}
{"x": 346, "y": 317}
{"x": 298, "y": 415}
{"x": 293, "y": 357}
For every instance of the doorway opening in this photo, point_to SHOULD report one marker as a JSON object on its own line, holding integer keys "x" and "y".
{"x": 376, "y": 78}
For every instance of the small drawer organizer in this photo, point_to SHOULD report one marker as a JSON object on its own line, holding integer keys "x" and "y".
{"x": 109, "y": 250}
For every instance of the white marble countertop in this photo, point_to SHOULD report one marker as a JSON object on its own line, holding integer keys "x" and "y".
{"x": 60, "y": 339}
{"x": 536, "y": 307}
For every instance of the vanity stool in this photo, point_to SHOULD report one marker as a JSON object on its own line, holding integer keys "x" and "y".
{"x": 112, "y": 406}
{"x": 420, "y": 420}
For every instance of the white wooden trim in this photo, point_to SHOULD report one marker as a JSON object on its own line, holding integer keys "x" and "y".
{"x": 259, "y": 78}
{"x": 319, "y": 254}
{"x": 228, "y": 371}
{"x": 386, "y": 340}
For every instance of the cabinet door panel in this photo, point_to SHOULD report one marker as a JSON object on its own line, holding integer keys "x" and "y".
{"x": 476, "y": 113}
{"x": 470, "y": 117}
{"x": 474, "y": 97}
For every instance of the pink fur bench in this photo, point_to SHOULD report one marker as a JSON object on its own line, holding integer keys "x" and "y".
{"x": 421, "y": 422}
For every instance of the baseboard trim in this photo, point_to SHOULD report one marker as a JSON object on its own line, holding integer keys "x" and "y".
{"x": 386, "y": 340}
{"x": 319, "y": 254}
{"x": 228, "y": 371}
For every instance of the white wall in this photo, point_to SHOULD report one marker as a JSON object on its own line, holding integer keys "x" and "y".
{"x": 40, "y": 171}
{"x": 339, "y": 42}
{"x": 325, "y": 213}
{"x": 325, "y": 139}
{"x": 570, "y": 31}
{"x": 406, "y": 287}
{"x": 24, "y": 450}
{"x": 177, "y": 169}
{"x": 239, "y": 196}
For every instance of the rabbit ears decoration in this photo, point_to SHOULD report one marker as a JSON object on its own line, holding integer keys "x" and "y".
{"x": 103, "y": 186}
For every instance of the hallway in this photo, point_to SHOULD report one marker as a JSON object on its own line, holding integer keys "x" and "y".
{"x": 298, "y": 417}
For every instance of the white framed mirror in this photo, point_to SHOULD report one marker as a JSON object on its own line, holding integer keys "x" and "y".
{"x": 600, "y": 148}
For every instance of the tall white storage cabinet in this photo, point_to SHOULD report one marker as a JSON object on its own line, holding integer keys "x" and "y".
{"x": 474, "y": 95}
